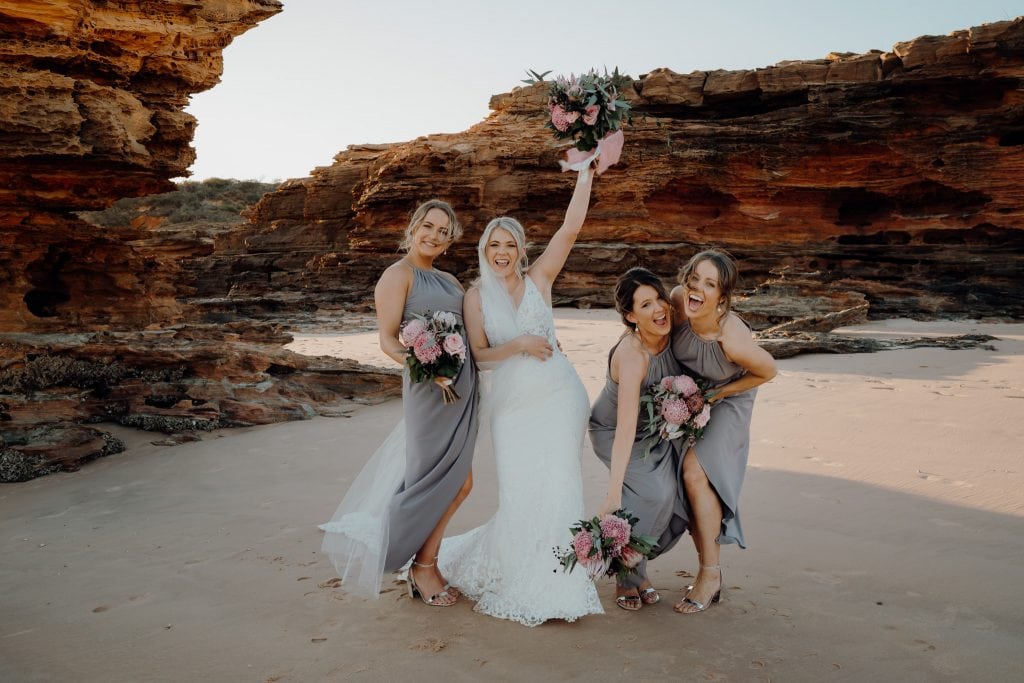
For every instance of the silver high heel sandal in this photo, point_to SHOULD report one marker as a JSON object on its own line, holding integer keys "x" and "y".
{"x": 436, "y": 600}
{"x": 452, "y": 590}
{"x": 700, "y": 606}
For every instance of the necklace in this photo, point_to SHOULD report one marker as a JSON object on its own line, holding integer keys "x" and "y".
{"x": 656, "y": 348}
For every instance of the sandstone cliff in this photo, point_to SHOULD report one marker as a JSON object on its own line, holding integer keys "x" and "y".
{"x": 91, "y": 318}
{"x": 887, "y": 178}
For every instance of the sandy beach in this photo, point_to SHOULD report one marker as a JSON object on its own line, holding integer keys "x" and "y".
{"x": 884, "y": 510}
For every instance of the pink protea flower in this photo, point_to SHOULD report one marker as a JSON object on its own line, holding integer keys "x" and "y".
{"x": 428, "y": 351}
{"x": 666, "y": 383}
{"x": 596, "y": 566}
{"x": 684, "y": 385}
{"x": 617, "y": 530}
{"x": 630, "y": 557}
{"x": 412, "y": 331}
{"x": 582, "y": 544}
{"x": 695, "y": 403}
{"x": 590, "y": 115}
{"x": 454, "y": 346}
{"x": 674, "y": 411}
{"x": 703, "y": 418}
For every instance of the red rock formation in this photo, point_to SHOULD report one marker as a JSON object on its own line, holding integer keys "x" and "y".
{"x": 91, "y": 110}
{"x": 888, "y": 177}
{"x": 92, "y": 99}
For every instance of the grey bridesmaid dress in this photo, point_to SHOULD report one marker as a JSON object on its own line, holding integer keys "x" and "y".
{"x": 651, "y": 486}
{"x": 724, "y": 448}
{"x": 440, "y": 437}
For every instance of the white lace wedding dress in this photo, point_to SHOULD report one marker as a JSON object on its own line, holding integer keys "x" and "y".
{"x": 538, "y": 412}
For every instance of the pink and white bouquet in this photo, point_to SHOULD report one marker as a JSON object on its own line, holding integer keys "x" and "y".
{"x": 606, "y": 546}
{"x": 588, "y": 110}
{"x": 435, "y": 349}
{"x": 677, "y": 406}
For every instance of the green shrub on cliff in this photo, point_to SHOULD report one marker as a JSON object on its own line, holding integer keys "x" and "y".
{"x": 215, "y": 200}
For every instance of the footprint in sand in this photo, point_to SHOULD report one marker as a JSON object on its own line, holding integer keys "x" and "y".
{"x": 824, "y": 579}
{"x": 429, "y": 644}
{"x": 826, "y": 463}
{"x": 938, "y": 478}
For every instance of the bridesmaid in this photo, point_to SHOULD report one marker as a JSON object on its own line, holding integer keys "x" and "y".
{"x": 407, "y": 515}
{"x": 716, "y": 344}
{"x": 647, "y": 485}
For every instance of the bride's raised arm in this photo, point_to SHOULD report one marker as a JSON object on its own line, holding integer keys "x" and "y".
{"x": 549, "y": 264}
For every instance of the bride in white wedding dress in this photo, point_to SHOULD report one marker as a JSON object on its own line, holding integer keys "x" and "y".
{"x": 538, "y": 411}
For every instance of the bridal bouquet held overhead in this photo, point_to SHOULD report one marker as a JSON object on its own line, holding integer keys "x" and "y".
{"x": 588, "y": 110}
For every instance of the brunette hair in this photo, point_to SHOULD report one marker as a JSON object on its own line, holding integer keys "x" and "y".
{"x": 626, "y": 287}
{"x": 728, "y": 275}
{"x": 454, "y": 227}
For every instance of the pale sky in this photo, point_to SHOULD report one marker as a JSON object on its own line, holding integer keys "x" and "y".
{"x": 324, "y": 74}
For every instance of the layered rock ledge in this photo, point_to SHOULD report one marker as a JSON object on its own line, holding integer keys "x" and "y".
{"x": 888, "y": 178}
{"x": 93, "y": 321}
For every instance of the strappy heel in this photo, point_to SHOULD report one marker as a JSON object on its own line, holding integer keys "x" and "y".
{"x": 452, "y": 590}
{"x": 630, "y": 603}
{"x": 700, "y": 606}
{"x": 436, "y": 600}
{"x": 650, "y": 596}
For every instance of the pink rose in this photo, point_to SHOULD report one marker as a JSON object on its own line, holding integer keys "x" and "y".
{"x": 684, "y": 385}
{"x": 675, "y": 411}
{"x": 666, "y": 383}
{"x": 704, "y": 417}
{"x": 590, "y": 116}
{"x": 454, "y": 346}
{"x": 630, "y": 557}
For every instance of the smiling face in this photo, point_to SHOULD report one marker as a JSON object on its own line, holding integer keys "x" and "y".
{"x": 702, "y": 291}
{"x": 651, "y": 313}
{"x": 502, "y": 252}
{"x": 432, "y": 236}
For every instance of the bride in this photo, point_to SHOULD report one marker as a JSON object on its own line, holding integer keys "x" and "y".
{"x": 538, "y": 411}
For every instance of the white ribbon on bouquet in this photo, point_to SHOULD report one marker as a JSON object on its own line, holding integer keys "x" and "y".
{"x": 607, "y": 153}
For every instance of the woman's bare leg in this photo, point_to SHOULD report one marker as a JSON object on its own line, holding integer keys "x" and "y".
{"x": 706, "y": 509}
{"x": 429, "y": 578}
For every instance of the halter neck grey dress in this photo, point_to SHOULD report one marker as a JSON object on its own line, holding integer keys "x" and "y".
{"x": 724, "y": 448}
{"x": 440, "y": 437}
{"x": 651, "y": 487}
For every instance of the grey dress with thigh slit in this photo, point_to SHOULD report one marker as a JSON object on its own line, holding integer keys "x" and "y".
{"x": 723, "y": 449}
{"x": 440, "y": 437}
{"x": 651, "y": 487}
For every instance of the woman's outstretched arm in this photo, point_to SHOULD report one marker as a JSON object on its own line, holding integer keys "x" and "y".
{"x": 549, "y": 264}
{"x": 632, "y": 365}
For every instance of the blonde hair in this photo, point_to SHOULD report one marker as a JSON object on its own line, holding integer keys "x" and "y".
{"x": 454, "y": 227}
{"x": 514, "y": 228}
